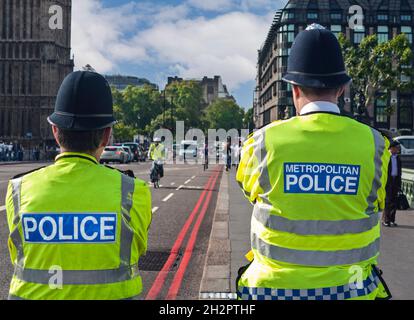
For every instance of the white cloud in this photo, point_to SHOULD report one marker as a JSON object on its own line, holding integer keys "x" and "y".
{"x": 98, "y": 34}
{"x": 226, "y": 45}
{"x": 170, "y": 36}
{"x": 244, "y": 5}
{"x": 212, "y": 5}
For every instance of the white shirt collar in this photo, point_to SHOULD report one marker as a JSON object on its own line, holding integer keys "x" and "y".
{"x": 320, "y": 106}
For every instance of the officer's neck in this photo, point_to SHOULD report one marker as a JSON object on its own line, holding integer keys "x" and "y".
{"x": 96, "y": 154}
{"x": 304, "y": 101}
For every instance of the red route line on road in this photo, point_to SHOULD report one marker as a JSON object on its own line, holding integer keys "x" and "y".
{"x": 179, "y": 276}
{"x": 162, "y": 275}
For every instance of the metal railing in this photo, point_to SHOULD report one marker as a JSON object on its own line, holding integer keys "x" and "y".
{"x": 408, "y": 185}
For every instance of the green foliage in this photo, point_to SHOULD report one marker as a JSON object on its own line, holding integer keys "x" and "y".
{"x": 378, "y": 67}
{"x": 248, "y": 120}
{"x": 123, "y": 132}
{"x": 224, "y": 114}
{"x": 186, "y": 100}
{"x": 135, "y": 108}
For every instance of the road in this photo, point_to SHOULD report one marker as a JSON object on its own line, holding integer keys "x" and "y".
{"x": 183, "y": 210}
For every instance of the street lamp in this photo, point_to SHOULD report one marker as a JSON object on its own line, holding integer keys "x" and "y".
{"x": 172, "y": 113}
{"x": 163, "y": 117}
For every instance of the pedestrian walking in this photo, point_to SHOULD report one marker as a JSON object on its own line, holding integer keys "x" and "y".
{"x": 317, "y": 183}
{"x": 77, "y": 229}
{"x": 393, "y": 186}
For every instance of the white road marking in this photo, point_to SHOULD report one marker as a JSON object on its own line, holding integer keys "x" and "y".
{"x": 172, "y": 183}
{"x": 168, "y": 197}
{"x": 3, "y": 181}
{"x": 188, "y": 181}
{"x": 3, "y": 208}
{"x": 193, "y": 177}
{"x": 161, "y": 185}
{"x": 180, "y": 187}
{"x": 155, "y": 209}
{"x": 193, "y": 187}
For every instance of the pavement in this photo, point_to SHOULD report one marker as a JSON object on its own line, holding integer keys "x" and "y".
{"x": 230, "y": 241}
{"x": 183, "y": 210}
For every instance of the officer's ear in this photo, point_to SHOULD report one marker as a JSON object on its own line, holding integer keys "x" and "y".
{"x": 55, "y": 134}
{"x": 296, "y": 91}
{"x": 106, "y": 137}
{"x": 340, "y": 92}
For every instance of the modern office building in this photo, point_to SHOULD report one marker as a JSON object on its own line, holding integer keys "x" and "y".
{"x": 121, "y": 82}
{"x": 386, "y": 18}
{"x": 34, "y": 59}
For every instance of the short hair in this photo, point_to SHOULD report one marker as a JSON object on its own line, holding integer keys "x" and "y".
{"x": 319, "y": 91}
{"x": 80, "y": 141}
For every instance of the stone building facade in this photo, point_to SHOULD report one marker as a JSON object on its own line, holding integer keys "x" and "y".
{"x": 386, "y": 18}
{"x": 34, "y": 59}
{"x": 212, "y": 88}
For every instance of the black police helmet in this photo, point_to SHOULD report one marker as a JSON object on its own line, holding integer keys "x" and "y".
{"x": 316, "y": 60}
{"x": 84, "y": 102}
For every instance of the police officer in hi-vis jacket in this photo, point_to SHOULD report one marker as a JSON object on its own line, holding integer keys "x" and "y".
{"x": 317, "y": 183}
{"x": 77, "y": 229}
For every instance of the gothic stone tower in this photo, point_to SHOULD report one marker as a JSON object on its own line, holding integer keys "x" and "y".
{"x": 34, "y": 59}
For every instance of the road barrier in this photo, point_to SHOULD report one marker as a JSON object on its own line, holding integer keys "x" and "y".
{"x": 408, "y": 185}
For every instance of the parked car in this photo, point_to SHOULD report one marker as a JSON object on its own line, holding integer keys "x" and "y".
{"x": 130, "y": 153}
{"x": 114, "y": 154}
{"x": 135, "y": 148}
{"x": 407, "y": 144}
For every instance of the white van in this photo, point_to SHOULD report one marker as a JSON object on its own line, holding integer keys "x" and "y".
{"x": 188, "y": 149}
{"x": 407, "y": 144}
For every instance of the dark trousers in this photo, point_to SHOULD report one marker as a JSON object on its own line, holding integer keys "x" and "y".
{"x": 391, "y": 200}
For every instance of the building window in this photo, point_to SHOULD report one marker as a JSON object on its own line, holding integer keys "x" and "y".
{"x": 336, "y": 16}
{"x": 409, "y": 32}
{"x": 266, "y": 117}
{"x": 405, "y": 77}
{"x": 288, "y": 16}
{"x": 406, "y": 17}
{"x": 382, "y": 17}
{"x": 405, "y": 113}
{"x": 312, "y": 15}
{"x": 287, "y": 33}
{"x": 359, "y": 34}
{"x": 383, "y": 34}
{"x": 381, "y": 114}
{"x": 336, "y": 29}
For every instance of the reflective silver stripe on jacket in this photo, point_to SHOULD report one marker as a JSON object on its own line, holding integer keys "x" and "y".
{"x": 89, "y": 277}
{"x": 15, "y": 236}
{"x": 376, "y": 183}
{"x": 313, "y": 227}
{"x": 78, "y": 277}
{"x": 16, "y": 191}
{"x": 262, "y": 157}
{"x": 127, "y": 234}
{"x": 315, "y": 258}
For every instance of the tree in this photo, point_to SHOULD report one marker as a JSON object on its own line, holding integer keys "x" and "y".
{"x": 377, "y": 68}
{"x": 248, "y": 120}
{"x": 135, "y": 108}
{"x": 185, "y": 98}
{"x": 224, "y": 114}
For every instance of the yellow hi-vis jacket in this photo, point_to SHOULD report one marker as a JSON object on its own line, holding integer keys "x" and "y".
{"x": 77, "y": 230}
{"x": 157, "y": 152}
{"x": 317, "y": 183}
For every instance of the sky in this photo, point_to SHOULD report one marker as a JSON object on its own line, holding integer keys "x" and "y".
{"x": 186, "y": 38}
